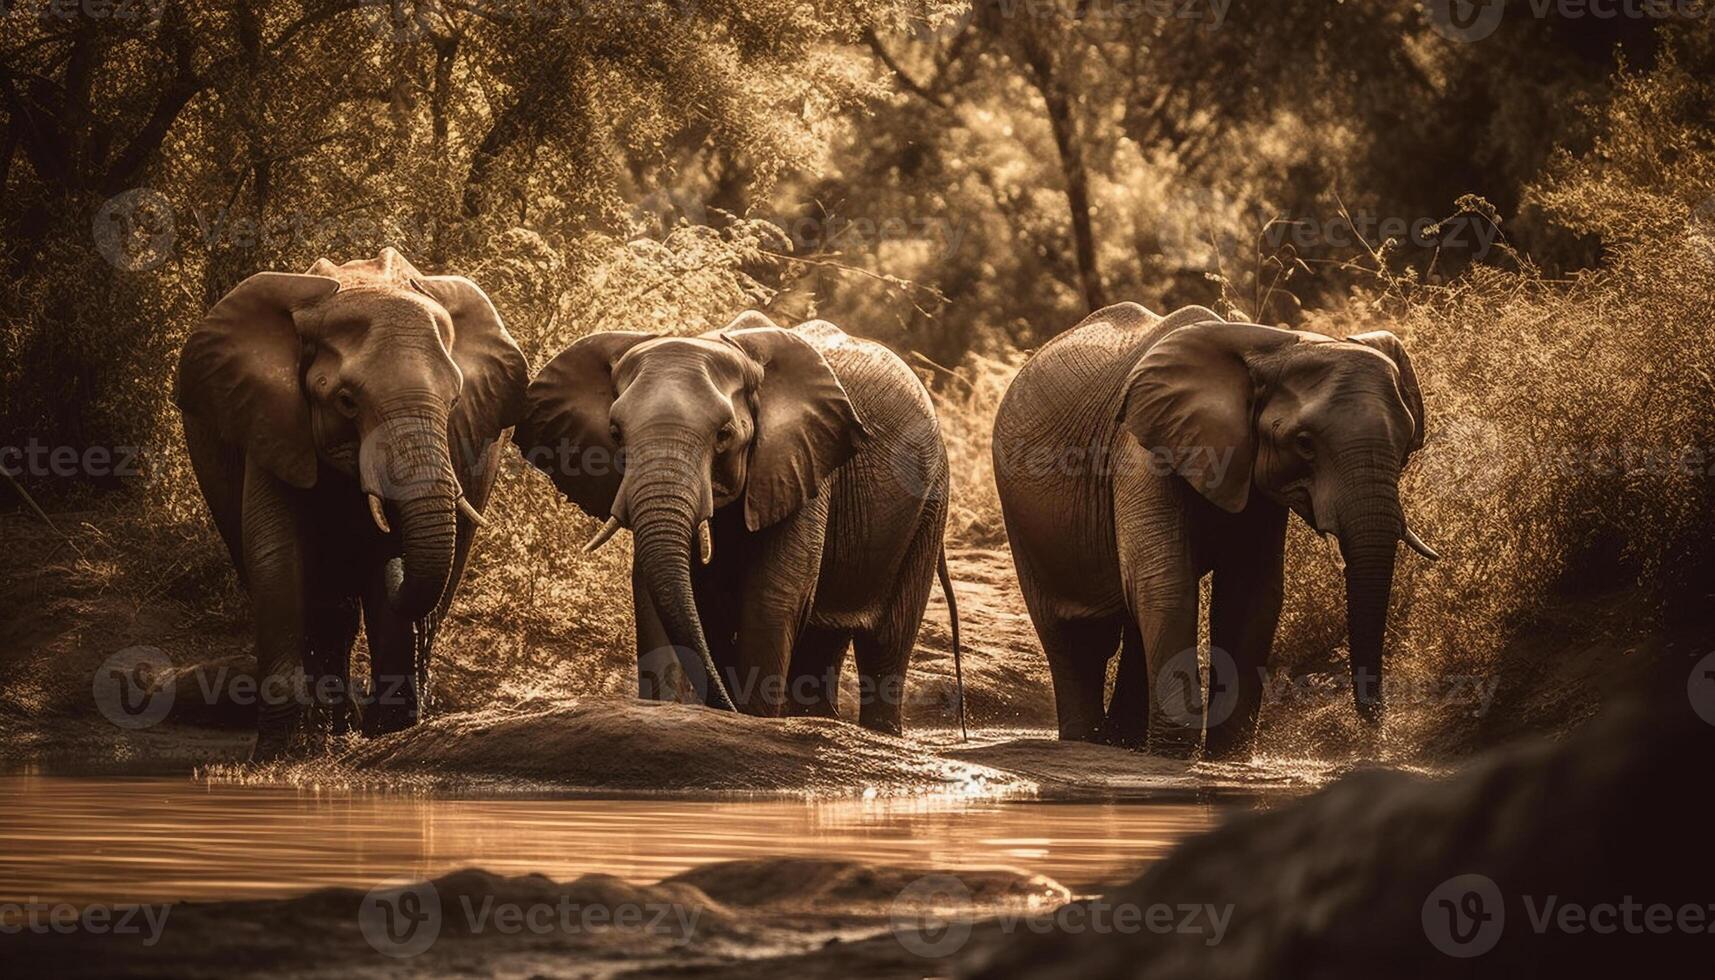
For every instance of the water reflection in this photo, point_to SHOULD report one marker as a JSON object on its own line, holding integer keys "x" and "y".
{"x": 165, "y": 839}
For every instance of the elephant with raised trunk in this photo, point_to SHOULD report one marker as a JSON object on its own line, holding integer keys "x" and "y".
{"x": 786, "y": 491}
{"x": 345, "y": 428}
{"x": 1136, "y": 453}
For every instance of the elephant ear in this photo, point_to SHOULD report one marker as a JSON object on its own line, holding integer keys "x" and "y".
{"x": 239, "y": 372}
{"x": 1189, "y": 402}
{"x": 564, "y": 431}
{"x": 806, "y": 426}
{"x": 494, "y": 369}
{"x": 1388, "y": 344}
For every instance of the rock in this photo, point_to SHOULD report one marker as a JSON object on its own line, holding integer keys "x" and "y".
{"x": 626, "y": 744}
{"x": 1372, "y": 876}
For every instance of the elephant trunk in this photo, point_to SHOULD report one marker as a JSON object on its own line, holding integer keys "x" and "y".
{"x": 662, "y": 503}
{"x": 417, "y": 478}
{"x": 1371, "y": 525}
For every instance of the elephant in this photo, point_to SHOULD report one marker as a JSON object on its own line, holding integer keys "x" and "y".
{"x": 805, "y": 466}
{"x": 344, "y": 426}
{"x": 1135, "y": 453}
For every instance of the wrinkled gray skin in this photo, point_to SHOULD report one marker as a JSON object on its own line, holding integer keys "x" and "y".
{"x": 817, "y": 460}
{"x": 1136, "y": 453}
{"x": 305, "y": 398}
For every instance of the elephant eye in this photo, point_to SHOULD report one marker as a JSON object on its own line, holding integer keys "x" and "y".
{"x": 727, "y": 434}
{"x": 1305, "y": 443}
{"x": 345, "y": 402}
{"x": 614, "y": 433}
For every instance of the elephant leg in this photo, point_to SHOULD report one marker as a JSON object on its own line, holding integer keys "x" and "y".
{"x": 778, "y": 590}
{"x": 1168, "y": 625}
{"x": 1078, "y": 651}
{"x": 669, "y": 673}
{"x": 274, "y": 568}
{"x": 813, "y": 685}
{"x": 659, "y": 670}
{"x": 884, "y": 653}
{"x": 392, "y": 705}
{"x": 1128, "y": 710}
{"x": 332, "y": 628}
{"x": 1243, "y": 614}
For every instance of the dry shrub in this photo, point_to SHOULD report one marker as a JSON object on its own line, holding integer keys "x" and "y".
{"x": 966, "y": 401}
{"x": 1571, "y": 436}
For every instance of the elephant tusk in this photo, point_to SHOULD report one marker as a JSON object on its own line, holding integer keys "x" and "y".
{"x": 377, "y": 516}
{"x": 471, "y": 512}
{"x": 602, "y": 536}
{"x": 1334, "y": 554}
{"x": 1418, "y": 546}
{"x": 705, "y": 543}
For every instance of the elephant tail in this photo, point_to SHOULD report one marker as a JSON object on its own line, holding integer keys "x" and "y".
{"x": 953, "y": 619}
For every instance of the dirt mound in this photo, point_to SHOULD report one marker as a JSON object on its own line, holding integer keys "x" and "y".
{"x": 643, "y": 746}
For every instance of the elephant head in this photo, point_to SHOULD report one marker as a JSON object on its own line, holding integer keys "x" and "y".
{"x": 1323, "y": 426}
{"x": 656, "y": 433}
{"x": 372, "y": 369}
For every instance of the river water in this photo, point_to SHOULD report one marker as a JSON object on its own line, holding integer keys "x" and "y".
{"x": 152, "y": 839}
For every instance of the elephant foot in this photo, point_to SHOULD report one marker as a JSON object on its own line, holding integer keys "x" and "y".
{"x": 1171, "y": 747}
{"x": 391, "y": 706}
{"x": 1134, "y": 741}
{"x": 1228, "y": 752}
{"x": 1232, "y": 742}
{"x": 385, "y": 721}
